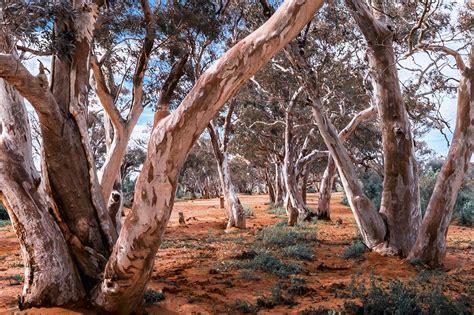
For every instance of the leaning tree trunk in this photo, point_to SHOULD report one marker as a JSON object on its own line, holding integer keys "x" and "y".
{"x": 49, "y": 267}
{"x": 234, "y": 208}
{"x": 430, "y": 246}
{"x": 131, "y": 263}
{"x": 400, "y": 197}
{"x": 327, "y": 182}
{"x": 271, "y": 191}
{"x": 369, "y": 221}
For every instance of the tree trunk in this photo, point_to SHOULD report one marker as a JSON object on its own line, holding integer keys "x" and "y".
{"x": 400, "y": 197}
{"x": 327, "y": 182}
{"x": 130, "y": 266}
{"x": 279, "y": 188}
{"x": 234, "y": 208}
{"x": 49, "y": 267}
{"x": 271, "y": 191}
{"x": 370, "y": 223}
{"x": 430, "y": 245}
{"x": 304, "y": 184}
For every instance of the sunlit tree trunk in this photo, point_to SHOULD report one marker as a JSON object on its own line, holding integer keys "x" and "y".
{"x": 400, "y": 197}
{"x": 430, "y": 246}
{"x": 235, "y": 211}
{"x": 48, "y": 265}
{"x": 327, "y": 182}
{"x": 130, "y": 265}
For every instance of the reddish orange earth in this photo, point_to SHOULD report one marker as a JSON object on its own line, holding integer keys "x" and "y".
{"x": 194, "y": 272}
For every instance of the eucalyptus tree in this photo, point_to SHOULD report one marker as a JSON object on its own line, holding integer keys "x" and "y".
{"x": 110, "y": 271}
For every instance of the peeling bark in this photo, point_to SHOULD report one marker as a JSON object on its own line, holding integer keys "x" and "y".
{"x": 48, "y": 265}
{"x": 400, "y": 197}
{"x": 234, "y": 208}
{"x": 327, "y": 182}
{"x": 369, "y": 222}
{"x": 130, "y": 266}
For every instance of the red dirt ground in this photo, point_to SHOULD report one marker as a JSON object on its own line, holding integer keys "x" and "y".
{"x": 182, "y": 268}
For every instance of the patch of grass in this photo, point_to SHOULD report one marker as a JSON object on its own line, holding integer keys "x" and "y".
{"x": 284, "y": 236}
{"x": 276, "y": 298}
{"x": 268, "y": 263}
{"x": 400, "y": 298}
{"x": 249, "y": 276}
{"x": 241, "y": 306}
{"x": 356, "y": 249}
{"x": 298, "y": 287}
{"x": 153, "y": 296}
{"x": 194, "y": 299}
{"x": 248, "y": 212}
{"x": 15, "y": 279}
{"x": 274, "y": 208}
{"x": 298, "y": 251}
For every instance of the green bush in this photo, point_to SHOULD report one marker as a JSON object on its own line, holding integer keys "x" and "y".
{"x": 356, "y": 249}
{"x": 298, "y": 251}
{"x": 402, "y": 298}
{"x": 276, "y": 298}
{"x": 275, "y": 208}
{"x": 298, "y": 287}
{"x": 3, "y": 213}
{"x": 248, "y": 212}
{"x": 267, "y": 263}
{"x": 280, "y": 235}
{"x": 372, "y": 185}
{"x": 153, "y": 296}
{"x": 345, "y": 201}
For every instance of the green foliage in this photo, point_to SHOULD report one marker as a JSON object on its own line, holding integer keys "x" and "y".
{"x": 356, "y": 249}
{"x": 248, "y": 212}
{"x": 463, "y": 212}
{"x": 268, "y": 263}
{"x": 153, "y": 296}
{"x": 372, "y": 187}
{"x": 298, "y": 287}
{"x": 402, "y": 298}
{"x": 276, "y": 298}
{"x": 4, "y": 223}
{"x": 298, "y": 251}
{"x": 241, "y": 306}
{"x": 345, "y": 201}
{"x": 3, "y": 213}
{"x": 275, "y": 208}
{"x": 249, "y": 276}
{"x": 15, "y": 279}
{"x": 284, "y": 236}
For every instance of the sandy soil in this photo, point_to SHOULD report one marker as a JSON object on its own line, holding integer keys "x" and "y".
{"x": 191, "y": 271}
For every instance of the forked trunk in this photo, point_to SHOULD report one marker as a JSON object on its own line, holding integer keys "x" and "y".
{"x": 400, "y": 196}
{"x": 370, "y": 223}
{"x": 49, "y": 267}
{"x": 131, "y": 263}
{"x": 430, "y": 246}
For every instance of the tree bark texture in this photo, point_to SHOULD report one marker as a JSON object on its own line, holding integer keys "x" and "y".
{"x": 49, "y": 267}
{"x": 400, "y": 198}
{"x": 430, "y": 245}
{"x": 130, "y": 266}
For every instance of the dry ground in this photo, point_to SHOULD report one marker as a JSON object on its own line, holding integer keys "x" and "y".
{"x": 195, "y": 270}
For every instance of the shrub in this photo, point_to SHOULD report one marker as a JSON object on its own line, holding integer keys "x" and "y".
{"x": 356, "y": 249}
{"x": 249, "y": 276}
{"x": 248, "y": 212}
{"x": 277, "y": 298}
{"x": 345, "y": 201}
{"x": 298, "y": 251}
{"x": 275, "y": 208}
{"x": 297, "y": 287}
{"x": 284, "y": 236}
{"x": 3, "y": 213}
{"x": 402, "y": 298}
{"x": 267, "y": 263}
{"x": 153, "y": 296}
{"x": 241, "y": 306}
